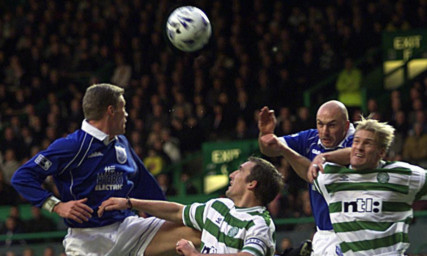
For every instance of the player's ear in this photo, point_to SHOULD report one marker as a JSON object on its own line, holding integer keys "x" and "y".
{"x": 110, "y": 110}
{"x": 382, "y": 153}
{"x": 252, "y": 184}
{"x": 347, "y": 125}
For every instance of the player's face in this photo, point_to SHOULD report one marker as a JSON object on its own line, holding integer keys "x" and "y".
{"x": 119, "y": 117}
{"x": 365, "y": 152}
{"x": 238, "y": 181}
{"x": 332, "y": 128}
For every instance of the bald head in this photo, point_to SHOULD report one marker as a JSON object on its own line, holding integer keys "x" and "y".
{"x": 336, "y": 107}
{"x": 332, "y": 123}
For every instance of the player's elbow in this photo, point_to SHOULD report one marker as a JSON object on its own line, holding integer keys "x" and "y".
{"x": 15, "y": 181}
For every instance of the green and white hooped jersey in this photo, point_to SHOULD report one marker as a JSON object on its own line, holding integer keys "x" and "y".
{"x": 371, "y": 210}
{"x": 229, "y": 229}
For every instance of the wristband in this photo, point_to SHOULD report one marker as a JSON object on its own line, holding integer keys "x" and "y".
{"x": 129, "y": 203}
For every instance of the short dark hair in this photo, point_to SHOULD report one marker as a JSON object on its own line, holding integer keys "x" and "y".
{"x": 270, "y": 181}
{"x": 97, "y": 99}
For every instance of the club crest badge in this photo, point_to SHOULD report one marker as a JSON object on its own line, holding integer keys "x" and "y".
{"x": 383, "y": 177}
{"x": 233, "y": 232}
{"x": 121, "y": 154}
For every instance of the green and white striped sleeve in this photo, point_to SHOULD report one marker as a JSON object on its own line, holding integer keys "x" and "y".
{"x": 260, "y": 236}
{"x": 422, "y": 193}
{"x": 192, "y": 216}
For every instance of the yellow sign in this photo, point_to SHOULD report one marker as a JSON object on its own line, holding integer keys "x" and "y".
{"x": 226, "y": 155}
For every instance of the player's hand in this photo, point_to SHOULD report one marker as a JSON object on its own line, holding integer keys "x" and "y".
{"x": 315, "y": 166}
{"x": 185, "y": 247}
{"x": 271, "y": 145}
{"x": 76, "y": 210}
{"x": 112, "y": 203}
{"x": 266, "y": 121}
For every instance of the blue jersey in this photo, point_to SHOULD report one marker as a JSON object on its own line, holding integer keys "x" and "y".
{"x": 86, "y": 164}
{"x": 307, "y": 143}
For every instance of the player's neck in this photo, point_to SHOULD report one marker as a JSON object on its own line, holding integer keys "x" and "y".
{"x": 246, "y": 201}
{"x": 101, "y": 125}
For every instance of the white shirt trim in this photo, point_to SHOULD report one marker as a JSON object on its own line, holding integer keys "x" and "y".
{"x": 95, "y": 132}
{"x": 250, "y": 209}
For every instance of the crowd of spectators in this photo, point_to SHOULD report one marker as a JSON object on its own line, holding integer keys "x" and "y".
{"x": 49, "y": 250}
{"x": 261, "y": 53}
{"x": 14, "y": 224}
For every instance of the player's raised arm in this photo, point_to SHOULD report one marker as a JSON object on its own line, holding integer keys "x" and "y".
{"x": 165, "y": 210}
{"x": 298, "y": 162}
{"x": 340, "y": 156}
{"x": 266, "y": 125}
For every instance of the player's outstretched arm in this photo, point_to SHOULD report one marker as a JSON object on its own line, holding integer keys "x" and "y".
{"x": 298, "y": 162}
{"x": 186, "y": 248}
{"x": 266, "y": 125}
{"x": 165, "y": 210}
{"x": 340, "y": 156}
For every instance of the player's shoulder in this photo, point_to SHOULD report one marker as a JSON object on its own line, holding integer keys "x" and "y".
{"x": 348, "y": 140}
{"x": 330, "y": 168}
{"x": 220, "y": 203}
{"x": 333, "y": 171}
{"x": 222, "y": 200}
{"x": 122, "y": 138}
{"x": 331, "y": 174}
{"x": 403, "y": 166}
{"x": 70, "y": 142}
{"x": 310, "y": 134}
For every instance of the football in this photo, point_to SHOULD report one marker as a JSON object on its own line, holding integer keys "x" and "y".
{"x": 188, "y": 28}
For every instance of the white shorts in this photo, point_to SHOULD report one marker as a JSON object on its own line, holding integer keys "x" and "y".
{"x": 326, "y": 243}
{"x": 130, "y": 237}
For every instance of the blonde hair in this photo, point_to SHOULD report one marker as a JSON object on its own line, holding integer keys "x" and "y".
{"x": 384, "y": 133}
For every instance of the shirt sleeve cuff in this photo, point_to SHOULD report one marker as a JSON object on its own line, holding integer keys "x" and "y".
{"x": 50, "y": 203}
{"x": 281, "y": 139}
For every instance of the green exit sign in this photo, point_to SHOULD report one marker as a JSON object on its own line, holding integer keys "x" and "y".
{"x": 403, "y": 45}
